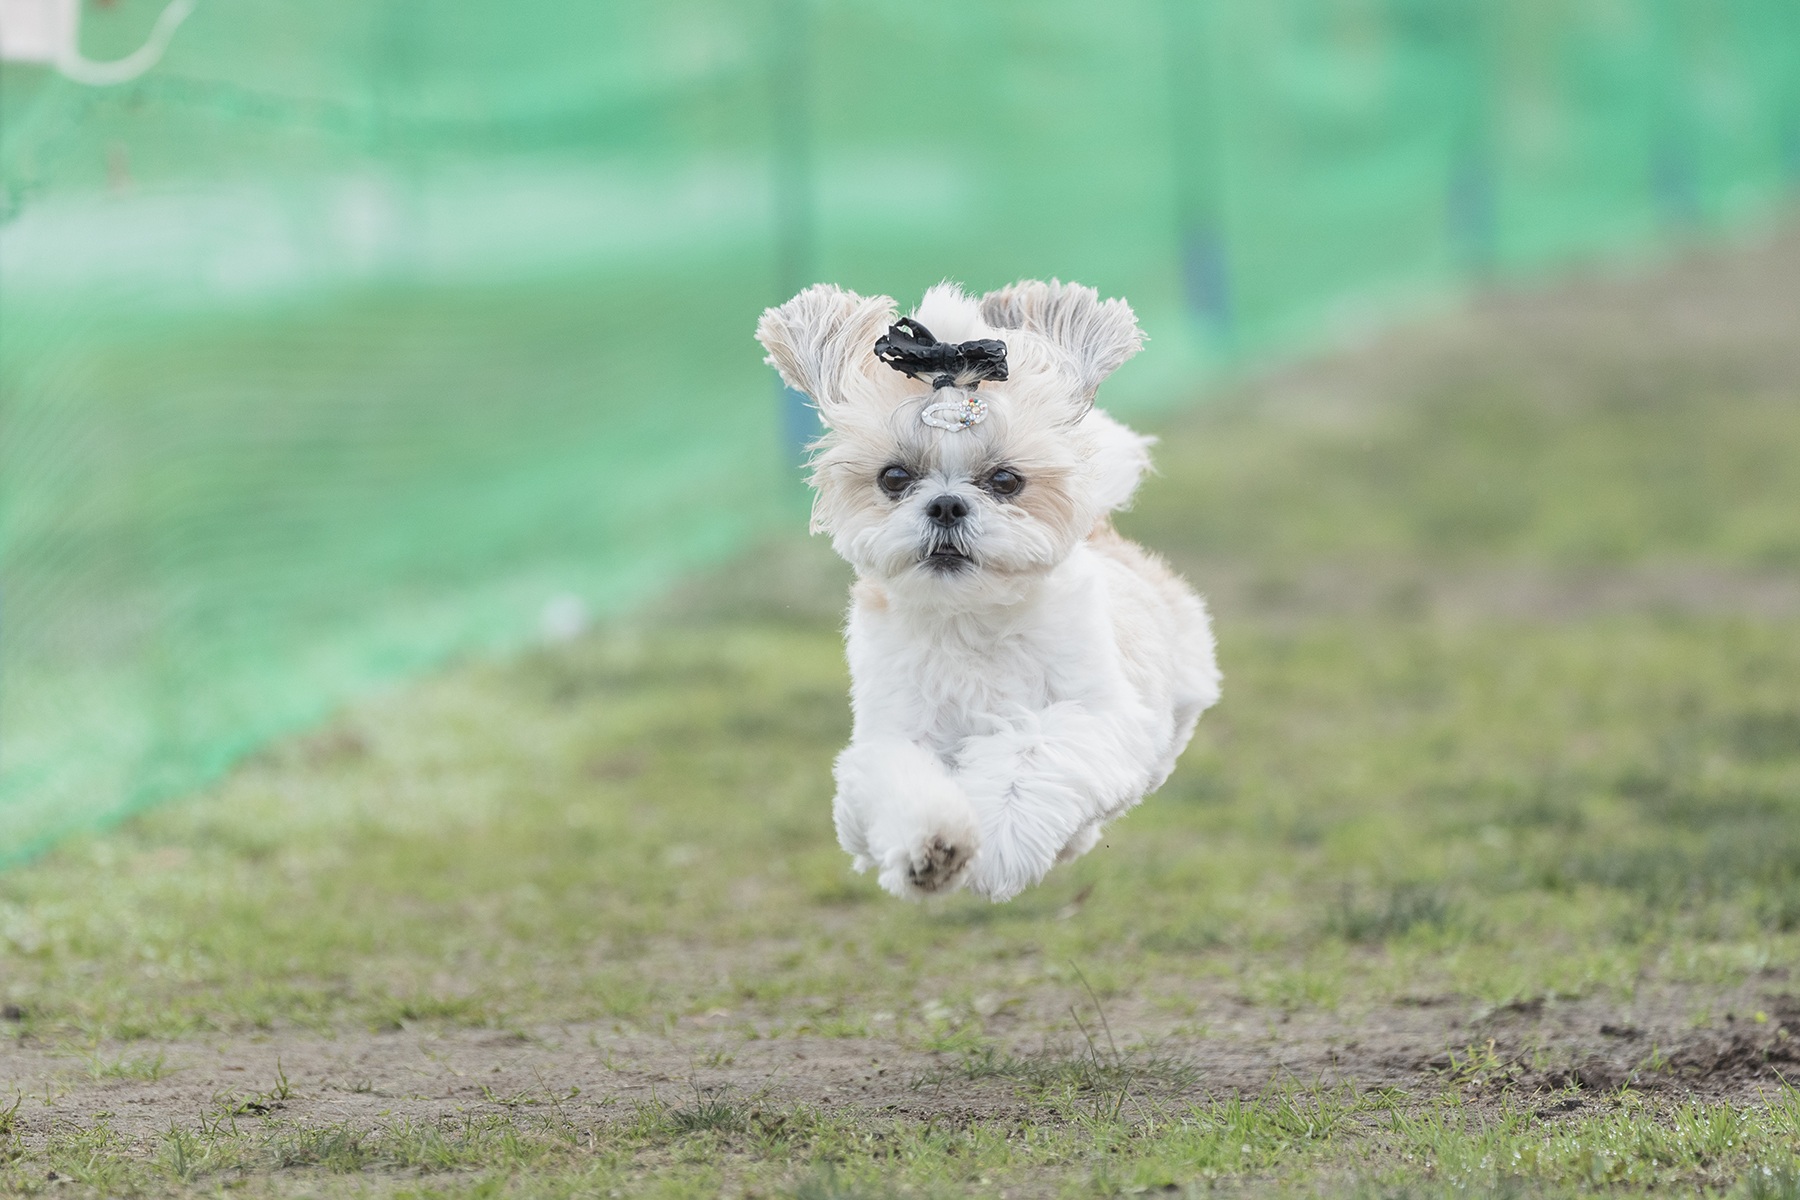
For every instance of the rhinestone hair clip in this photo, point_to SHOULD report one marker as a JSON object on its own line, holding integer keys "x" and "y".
{"x": 955, "y": 370}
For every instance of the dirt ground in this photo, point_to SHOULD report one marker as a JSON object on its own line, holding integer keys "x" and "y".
{"x": 1560, "y": 1056}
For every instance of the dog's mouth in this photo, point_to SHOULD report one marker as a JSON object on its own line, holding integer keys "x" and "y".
{"x": 944, "y": 559}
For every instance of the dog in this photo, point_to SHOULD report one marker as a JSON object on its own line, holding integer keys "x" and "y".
{"x": 1020, "y": 673}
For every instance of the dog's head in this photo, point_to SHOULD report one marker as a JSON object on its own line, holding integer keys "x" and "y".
{"x": 953, "y": 469}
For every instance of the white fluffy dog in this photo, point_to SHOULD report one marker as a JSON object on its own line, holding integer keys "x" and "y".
{"x": 1021, "y": 674}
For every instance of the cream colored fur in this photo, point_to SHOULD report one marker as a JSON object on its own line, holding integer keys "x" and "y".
{"x": 1008, "y": 706}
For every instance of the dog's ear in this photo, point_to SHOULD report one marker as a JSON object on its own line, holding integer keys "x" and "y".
{"x": 1096, "y": 336}
{"x": 821, "y": 337}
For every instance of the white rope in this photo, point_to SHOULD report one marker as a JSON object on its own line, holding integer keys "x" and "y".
{"x": 70, "y": 62}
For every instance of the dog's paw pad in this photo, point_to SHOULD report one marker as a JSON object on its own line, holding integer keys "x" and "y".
{"x": 936, "y": 865}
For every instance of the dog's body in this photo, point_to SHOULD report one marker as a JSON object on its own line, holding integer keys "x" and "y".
{"x": 1021, "y": 674}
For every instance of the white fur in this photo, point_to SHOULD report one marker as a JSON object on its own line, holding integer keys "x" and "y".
{"x": 1005, "y": 709}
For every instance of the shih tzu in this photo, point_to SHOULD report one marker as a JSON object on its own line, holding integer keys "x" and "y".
{"x": 1021, "y": 674}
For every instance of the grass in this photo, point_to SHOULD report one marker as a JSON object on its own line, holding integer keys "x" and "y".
{"x": 148, "y": 1067}
{"x": 1509, "y": 718}
{"x": 1437, "y": 1150}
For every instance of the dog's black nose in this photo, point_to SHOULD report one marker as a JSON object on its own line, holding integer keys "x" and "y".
{"x": 946, "y": 511}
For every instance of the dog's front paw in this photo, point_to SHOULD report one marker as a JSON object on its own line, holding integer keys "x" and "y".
{"x": 899, "y": 810}
{"x": 934, "y": 866}
{"x": 937, "y": 866}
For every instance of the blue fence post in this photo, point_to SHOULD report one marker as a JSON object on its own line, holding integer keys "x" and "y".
{"x": 1674, "y": 181}
{"x": 1788, "y": 122}
{"x": 1472, "y": 203}
{"x": 1197, "y": 153}
{"x": 795, "y": 215}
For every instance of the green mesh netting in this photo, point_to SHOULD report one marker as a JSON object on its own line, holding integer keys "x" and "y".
{"x": 356, "y": 334}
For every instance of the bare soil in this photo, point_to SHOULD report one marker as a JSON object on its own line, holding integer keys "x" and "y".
{"x": 1562, "y": 1056}
{"x": 1731, "y": 317}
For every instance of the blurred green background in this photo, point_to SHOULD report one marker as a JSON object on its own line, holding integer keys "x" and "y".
{"x": 350, "y": 337}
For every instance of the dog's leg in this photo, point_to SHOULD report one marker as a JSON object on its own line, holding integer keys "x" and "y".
{"x": 1186, "y": 717}
{"x": 1042, "y": 790}
{"x": 1080, "y": 844}
{"x": 899, "y": 810}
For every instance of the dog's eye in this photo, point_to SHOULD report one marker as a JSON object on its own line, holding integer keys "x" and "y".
{"x": 895, "y": 479}
{"x": 1005, "y": 483}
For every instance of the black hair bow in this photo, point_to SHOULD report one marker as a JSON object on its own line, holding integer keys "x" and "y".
{"x": 908, "y": 346}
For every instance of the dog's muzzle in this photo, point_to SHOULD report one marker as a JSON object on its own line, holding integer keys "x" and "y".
{"x": 944, "y": 557}
{"x": 946, "y": 544}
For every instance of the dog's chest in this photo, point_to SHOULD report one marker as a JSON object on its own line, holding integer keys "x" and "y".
{"x": 945, "y": 687}
{"x": 970, "y": 684}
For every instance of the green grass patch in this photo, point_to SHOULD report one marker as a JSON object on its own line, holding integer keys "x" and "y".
{"x": 1510, "y": 718}
{"x": 1093, "y": 1147}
